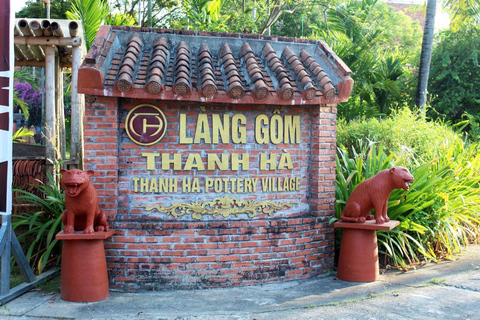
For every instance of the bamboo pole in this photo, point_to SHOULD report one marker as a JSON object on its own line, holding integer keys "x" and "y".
{"x": 26, "y": 63}
{"x": 73, "y": 29}
{"x": 76, "y": 113}
{"x": 82, "y": 114}
{"x": 48, "y": 41}
{"x": 57, "y": 103}
{"x": 48, "y": 8}
{"x": 38, "y": 52}
{"x": 25, "y": 28}
{"x": 50, "y": 131}
{"x": 27, "y": 52}
{"x": 61, "y": 140}
{"x": 18, "y": 53}
{"x": 46, "y": 28}
{"x": 36, "y": 28}
{"x": 56, "y": 29}
{"x": 16, "y": 31}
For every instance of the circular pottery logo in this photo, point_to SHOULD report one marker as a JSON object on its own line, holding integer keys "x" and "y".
{"x": 146, "y": 124}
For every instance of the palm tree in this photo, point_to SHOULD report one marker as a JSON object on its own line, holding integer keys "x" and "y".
{"x": 426, "y": 55}
{"x": 460, "y": 10}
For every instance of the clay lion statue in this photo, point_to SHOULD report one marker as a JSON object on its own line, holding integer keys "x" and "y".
{"x": 81, "y": 200}
{"x": 373, "y": 193}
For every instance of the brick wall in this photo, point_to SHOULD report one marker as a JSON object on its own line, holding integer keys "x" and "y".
{"x": 153, "y": 250}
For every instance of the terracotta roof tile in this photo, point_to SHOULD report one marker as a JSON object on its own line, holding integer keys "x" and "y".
{"x": 279, "y": 70}
{"x": 222, "y": 67}
{"x": 301, "y": 74}
{"x": 206, "y": 69}
{"x": 125, "y": 75}
{"x": 255, "y": 74}
{"x": 324, "y": 81}
{"x": 182, "y": 85}
{"x": 157, "y": 66}
{"x": 232, "y": 76}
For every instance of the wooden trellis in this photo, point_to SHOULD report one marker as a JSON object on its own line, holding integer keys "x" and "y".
{"x": 55, "y": 45}
{"x": 46, "y": 44}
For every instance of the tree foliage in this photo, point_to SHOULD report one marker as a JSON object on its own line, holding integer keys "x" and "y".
{"x": 455, "y": 74}
{"x": 92, "y": 14}
{"x": 462, "y": 11}
{"x": 204, "y": 15}
{"x": 163, "y": 11}
{"x": 37, "y": 9}
{"x": 254, "y": 16}
{"x": 357, "y": 32}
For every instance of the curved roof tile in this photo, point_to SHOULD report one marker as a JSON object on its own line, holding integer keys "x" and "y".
{"x": 127, "y": 67}
{"x": 157, "y": 66}
{"x": 188, "y": 65}
{"x": 260, "y": 89}
{"x": 206, "y": 71}
{"x": 182, "y": 85}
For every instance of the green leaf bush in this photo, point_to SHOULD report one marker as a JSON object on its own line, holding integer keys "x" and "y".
{"x": 39, "y": 228}
{"x": 404, "y": 132}
{"x": 440, "y": 213}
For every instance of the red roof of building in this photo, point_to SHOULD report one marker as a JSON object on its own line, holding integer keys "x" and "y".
{"x": 182, "y": 65}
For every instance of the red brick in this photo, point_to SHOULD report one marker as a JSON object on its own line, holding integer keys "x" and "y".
{"x": 207, "y": 259}
{"x": 229, "y": 258}
{"x": 124, "y": 239}
{"x": 183, "y": 246}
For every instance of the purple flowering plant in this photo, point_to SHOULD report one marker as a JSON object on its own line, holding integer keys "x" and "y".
{"x": 32, "y": 98}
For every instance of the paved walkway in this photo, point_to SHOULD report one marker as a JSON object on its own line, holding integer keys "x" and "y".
{"x": 445, "y": 290}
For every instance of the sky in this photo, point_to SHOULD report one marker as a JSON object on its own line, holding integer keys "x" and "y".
{"x": 442, "y": 20}
{"x": 17, "y": 5}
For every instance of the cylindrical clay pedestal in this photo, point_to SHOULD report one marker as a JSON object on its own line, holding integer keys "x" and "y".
{"x": 358, "y": 256}
{"x": 84, "y": 268}
{"x": 358, "y": 261}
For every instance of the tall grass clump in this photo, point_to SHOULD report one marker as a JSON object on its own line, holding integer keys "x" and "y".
{"x": 439, "y": 214}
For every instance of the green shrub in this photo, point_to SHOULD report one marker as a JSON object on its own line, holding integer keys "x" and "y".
{"x": 403, "y": 133}
{"x": 440, "y": 212}
{"x": 42, "y": 226}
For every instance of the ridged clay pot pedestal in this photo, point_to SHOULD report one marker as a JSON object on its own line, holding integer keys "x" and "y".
{"x": 358, "y": 261}
{"x": 84, "y": 267}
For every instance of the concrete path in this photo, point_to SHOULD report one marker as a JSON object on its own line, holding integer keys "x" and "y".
{"x": 445, "y": 290}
